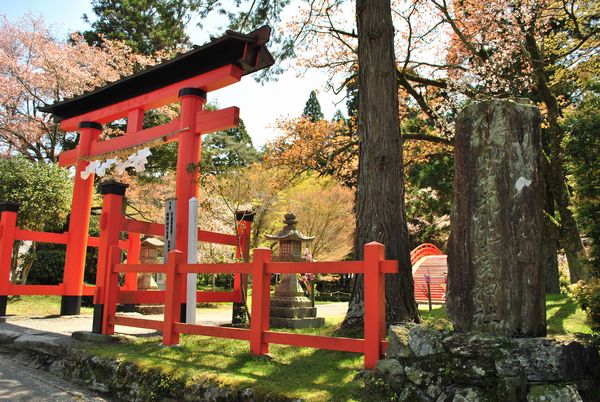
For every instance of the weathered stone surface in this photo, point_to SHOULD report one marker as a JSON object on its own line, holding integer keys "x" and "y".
{"x": 8, "y": 336}
{"x": 511, "y": 389}
{"x": 398, "y": 341}
{"x": 553, "y": 393}
{"x": 470, "y": 394}
{"x": 392, "y": 371}
{"x": 495, "y": 281}
{"x": 481, "y": 367}
{"x": 46, "y": 344}
{"x": 424, "y": 341}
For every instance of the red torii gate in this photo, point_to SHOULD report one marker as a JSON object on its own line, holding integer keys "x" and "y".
{"x": 185, "y": 79}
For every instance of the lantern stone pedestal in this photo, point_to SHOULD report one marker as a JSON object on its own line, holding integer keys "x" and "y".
{"x": 289, "y": 307}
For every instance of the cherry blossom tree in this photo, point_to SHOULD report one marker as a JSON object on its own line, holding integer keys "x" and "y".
{"x": 37, "y": 69}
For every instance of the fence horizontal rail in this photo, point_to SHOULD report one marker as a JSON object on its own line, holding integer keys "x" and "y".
{"x": 31, "y": 290}
{"x": 315, "y": 341}
{"x": 157, "y": 229}
{"x": 41, "y": 237}
{"x": 158, "y": 296}
{"x": 144, "y": 268}
{"x": 235, "y": 268}
{"x": 137, "y": 322}
{"x": 208, "y": 330}
{"x": 340, "y": 267}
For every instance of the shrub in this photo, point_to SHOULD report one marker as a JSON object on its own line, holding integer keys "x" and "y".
{"x": 588, "y": 297}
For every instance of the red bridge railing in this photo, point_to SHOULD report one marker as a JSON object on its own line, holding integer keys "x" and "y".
{"x": 374, "y": 267}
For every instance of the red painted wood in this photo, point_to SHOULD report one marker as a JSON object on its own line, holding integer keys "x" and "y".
{"x": 135, "y": 120}
{"x": 436, "y": 267}
{"x": 260, "y": 302}
{"x": 110, "y": 230}
{"x": 157, "y": 229}
{"x": 8, "y": 223}
{"x": 217, "y": 238}
{"x": 141, "y": 297}
{"x": 89, "y": 290}
{"x": 134, "y": 246}
{"x": 355, "y": 267}
{"x": 206, "y": 122}
{"x": 374, "y": 317}
{"x": 149, "y": 228}
{"x": 314, "y": 341}
{"x": 80, "y": 218}
{"x": 218, "y": 297}
{"x": 423, "y": 250}
{"x": 137, "y": 322}
{"x": 42, "y": 237}
{"x": 36, "y": 290}
{"x": 172, "y": 299}
{"x": 111, "y": 291}
{"x": 232, "y": 268}
{"x": 207, "y": 330}
{"x": 158, "y": 297}
{"x": 210, "y": 81}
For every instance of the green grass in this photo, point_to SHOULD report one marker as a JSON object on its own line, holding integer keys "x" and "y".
{"x": 563, "y": 316}
{"x": 37, "y": 306}
{"x": 313, "y": 375}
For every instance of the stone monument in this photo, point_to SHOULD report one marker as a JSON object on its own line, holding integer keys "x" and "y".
{"x": 289, "y": 307}
{"x": 495, "y": 253}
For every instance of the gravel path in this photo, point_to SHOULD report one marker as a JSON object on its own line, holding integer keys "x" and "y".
{"x": 21, "y": 383}
{"x": 66, "y": 325}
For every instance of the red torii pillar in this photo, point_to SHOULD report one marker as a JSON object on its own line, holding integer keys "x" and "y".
{"x": 79, "y": 223}
{"x": 191, "y": 101}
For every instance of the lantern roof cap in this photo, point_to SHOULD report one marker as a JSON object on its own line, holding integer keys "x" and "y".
{"x": 289, "y": 231}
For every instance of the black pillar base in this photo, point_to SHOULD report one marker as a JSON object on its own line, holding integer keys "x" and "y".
{"x": 97, "y": 322}
{"x": 182, "y": 313}
{"x": 3, "y": 303}
{"x": 70, "y": 305}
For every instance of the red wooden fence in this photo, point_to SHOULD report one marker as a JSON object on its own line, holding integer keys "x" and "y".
{"x": 374, "y": 267}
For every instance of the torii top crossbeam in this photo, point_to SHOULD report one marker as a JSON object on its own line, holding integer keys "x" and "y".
{"x": 186, "y": 79}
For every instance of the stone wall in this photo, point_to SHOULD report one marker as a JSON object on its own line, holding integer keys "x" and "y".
{"x": 423, "y": 364}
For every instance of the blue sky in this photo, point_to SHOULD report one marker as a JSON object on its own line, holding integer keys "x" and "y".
{"x": 260, "y": 105}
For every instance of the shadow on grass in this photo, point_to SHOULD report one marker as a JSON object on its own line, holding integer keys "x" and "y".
{"x": 555, "y": 320}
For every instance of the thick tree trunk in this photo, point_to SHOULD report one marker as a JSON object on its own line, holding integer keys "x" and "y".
{"x": 495, "y": 272}
{"x": 380, "y": 212}
{"x": 569, "y": 231}
{"x": 550, "y": 247}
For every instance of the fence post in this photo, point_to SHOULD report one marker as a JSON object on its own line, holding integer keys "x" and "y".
{"x": 261, "y": 288}
{"x": 374, "y": 311}
{"x": 111, "y": 291}
{"x": 110, "y": 229}
{"x": 173, "y": 298}
{"x": 242, "y": 252}
{"x": 134, "y": 247}
{"x": 8, "y": 228}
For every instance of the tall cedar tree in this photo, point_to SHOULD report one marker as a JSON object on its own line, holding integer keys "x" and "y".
{"x": 380, "y": 210}
{"x": 312, "y": 109}
{"x": 147, "y": 26}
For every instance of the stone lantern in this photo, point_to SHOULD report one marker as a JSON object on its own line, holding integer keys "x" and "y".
{"x": 289, "y": 307}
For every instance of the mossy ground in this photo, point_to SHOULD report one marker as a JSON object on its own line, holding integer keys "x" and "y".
{"x": 292, "y": 372}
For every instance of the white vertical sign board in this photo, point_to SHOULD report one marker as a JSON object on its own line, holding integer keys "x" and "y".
{"x": 192, "y": 258}
{"x": 170, "y": 214}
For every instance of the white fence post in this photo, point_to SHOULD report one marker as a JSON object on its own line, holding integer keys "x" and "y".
{"x": 192, "y": 258}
